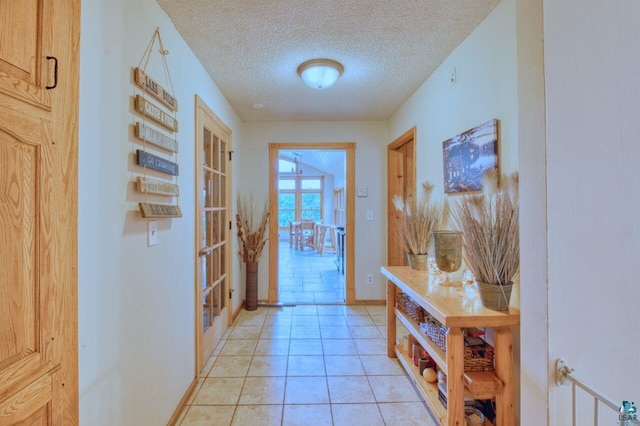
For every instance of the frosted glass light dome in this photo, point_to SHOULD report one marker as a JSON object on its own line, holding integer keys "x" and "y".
{"x": 320, "y": 73}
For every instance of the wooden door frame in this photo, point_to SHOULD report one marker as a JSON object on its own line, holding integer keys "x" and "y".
{"x": 409, "y": 182}
{"x": 350, "y": 150}
{"x": 200, "y": 105}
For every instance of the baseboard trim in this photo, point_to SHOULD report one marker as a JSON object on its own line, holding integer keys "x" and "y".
{"x": 237, "y": 313}
{"x": 183, "y": 403}
{"x": 382, "y": 302}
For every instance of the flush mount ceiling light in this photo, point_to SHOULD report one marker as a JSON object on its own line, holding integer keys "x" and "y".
{"x": 320, "y": 73}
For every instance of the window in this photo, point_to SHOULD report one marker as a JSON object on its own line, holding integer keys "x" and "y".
{"x": 300, "y": 197}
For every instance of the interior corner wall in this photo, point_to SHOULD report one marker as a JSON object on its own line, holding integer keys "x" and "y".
{"x": 371, "y": 138}
{"x": 592, "y": 98}
{"x": 486, "y": 87}
{"x": 136, "y": 303}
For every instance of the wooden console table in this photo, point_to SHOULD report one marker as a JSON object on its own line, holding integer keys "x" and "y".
{"x": 456, "y": 308}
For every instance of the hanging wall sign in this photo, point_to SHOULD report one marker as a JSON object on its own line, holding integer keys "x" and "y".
{"x": 160, "y": 187}
{"x": 151, "y": 210}
{"x": 155, "y": 113}
{"x": 152, "y": 87}
{"x": 156, "y": 163}
{"x": 147, "y": 134}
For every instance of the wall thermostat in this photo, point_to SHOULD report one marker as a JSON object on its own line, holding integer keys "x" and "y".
{"x": 363, "y": 191}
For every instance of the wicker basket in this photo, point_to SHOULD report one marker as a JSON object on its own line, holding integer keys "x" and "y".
{"x": 410, "y": 308}
{"x": 476, "y": 358}
{"x": 437, "y": 333}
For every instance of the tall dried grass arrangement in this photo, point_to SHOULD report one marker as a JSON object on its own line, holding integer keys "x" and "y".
{"x": 490, "y": 225}
{"x": 252, "y": 220}
{"x": 417, "y": 218}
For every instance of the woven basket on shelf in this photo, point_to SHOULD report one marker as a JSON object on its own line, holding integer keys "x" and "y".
{"x": 410, "y": 308}
{"x": 476, "y": 358}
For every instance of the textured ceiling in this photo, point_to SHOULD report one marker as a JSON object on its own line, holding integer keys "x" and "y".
{"x": 252, "y": 48}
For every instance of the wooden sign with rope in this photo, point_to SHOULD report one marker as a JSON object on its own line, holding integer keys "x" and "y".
{"x": 155, "y": 114}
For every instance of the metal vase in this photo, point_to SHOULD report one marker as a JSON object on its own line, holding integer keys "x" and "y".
{"x": 417, "y": 261}
{"x": 495, "y": 296}
{"x": 251, "y": 282}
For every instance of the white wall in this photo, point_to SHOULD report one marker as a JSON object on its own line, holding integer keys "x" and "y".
{"x": 371, "y": 138}
{"x": 593, "y": 98}
{"x": 486, "y": 65}
{"x": 136, "y": 304}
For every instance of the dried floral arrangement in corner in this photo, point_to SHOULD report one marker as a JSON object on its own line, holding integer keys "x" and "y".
{"x": 417, "y": 218}
{"x": 490, "y": 224}
{"x": 252, "y": 220}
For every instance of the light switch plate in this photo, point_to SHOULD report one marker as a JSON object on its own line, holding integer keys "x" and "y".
{"x": 363, "y": 191}
{"x": 152, "y": 233}
{"x": 370, "y": 215}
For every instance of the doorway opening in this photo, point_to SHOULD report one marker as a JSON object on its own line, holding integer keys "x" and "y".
{"x": 311, "y": 221}
{"x": 311, "y": 244}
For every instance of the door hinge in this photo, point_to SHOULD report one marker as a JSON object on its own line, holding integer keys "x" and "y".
{"x": 230, "y": 152}
{"x": 230, "y": 226}
{"x": 230, "y": 293}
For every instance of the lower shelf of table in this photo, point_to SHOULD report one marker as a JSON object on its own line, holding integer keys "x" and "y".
{"x": 428, "y": 391}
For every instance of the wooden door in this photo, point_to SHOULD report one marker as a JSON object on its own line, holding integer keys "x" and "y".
{"x": 401, "y": 180}
{"x": 213, "y": 223}
{"x": 38, "y": 212}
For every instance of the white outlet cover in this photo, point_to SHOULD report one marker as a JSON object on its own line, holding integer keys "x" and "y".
{"x": 152, "y": 233}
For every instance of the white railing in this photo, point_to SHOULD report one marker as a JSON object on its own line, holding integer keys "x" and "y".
{"x": 564, "y": 377}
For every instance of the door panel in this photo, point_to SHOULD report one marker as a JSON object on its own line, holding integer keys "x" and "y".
{"x": 26, "y": 31}
{"x": 18, "y": 251}
{"x": 38, "y": 213}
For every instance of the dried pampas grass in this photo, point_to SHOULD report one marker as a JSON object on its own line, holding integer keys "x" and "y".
{"x": 252, "y": 220}
{"x": 490, "y": 225}
{"x": 417, "y": 218}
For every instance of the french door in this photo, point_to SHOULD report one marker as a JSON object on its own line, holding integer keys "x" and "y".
{"x": 213, "y": 296}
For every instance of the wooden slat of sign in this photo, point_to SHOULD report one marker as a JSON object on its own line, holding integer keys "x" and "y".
{"x": 151, "y": 210}
{"x": 156, "y": 163}
{"x": 153, "y": 186}
{"x": 155, "y": 113}
{"x": 156, "y": 138}
{"x": 152, "y": 87}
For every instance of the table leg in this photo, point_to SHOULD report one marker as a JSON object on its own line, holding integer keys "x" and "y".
{"x": 391, "y": 319}
{"x": 503, "y": 360}
{"x": 455, "y": 377}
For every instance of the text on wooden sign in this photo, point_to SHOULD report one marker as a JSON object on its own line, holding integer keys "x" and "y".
{"x": 152, "y": 87}
{"x": 155, "y": 113}
{"x": 156, "y": 163}
{"x": 156, "y": 138}
{"x": 159, "y": 210}
{"x": 153, "y": 186}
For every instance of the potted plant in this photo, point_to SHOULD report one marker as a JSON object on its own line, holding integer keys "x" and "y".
{"x": 490, "y": 225}
{"x": 414, "y": 224}
{"x": 252, "y": 220}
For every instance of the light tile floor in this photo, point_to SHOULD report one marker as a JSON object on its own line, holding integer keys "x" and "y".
{"x": 305, "y": 365}
{"x": 304, "y": 276}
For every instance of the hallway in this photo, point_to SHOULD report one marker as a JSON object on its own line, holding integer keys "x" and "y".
{"x": 308, "y": 277}
{"x": 305, "y": 365}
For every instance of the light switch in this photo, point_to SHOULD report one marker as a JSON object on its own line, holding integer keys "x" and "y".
{"x": 152, "y": 233}
{"x": 370, "y": 215}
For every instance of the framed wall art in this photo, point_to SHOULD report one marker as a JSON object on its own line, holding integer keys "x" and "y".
{"x": 468, "y": 155}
